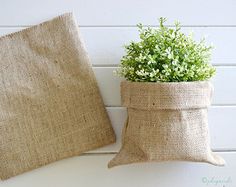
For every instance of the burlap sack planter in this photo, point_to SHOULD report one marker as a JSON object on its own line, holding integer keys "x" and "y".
{"x": 50, "y": 105}
{"x": 166, "y": 122}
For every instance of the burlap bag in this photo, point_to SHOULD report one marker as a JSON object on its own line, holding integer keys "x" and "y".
{"x": 166, "y": 122}
{"x": 50, "y": 105}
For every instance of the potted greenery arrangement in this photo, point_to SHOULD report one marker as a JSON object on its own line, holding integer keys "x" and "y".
{"x": 166, "y": 92}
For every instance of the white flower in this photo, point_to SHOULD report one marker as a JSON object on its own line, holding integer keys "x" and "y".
{"x": 141, "y": 72}
{"x": 174, "y": 62}
{"x": 165, "y": 66}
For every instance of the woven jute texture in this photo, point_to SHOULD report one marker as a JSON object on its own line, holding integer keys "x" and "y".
{"x": 166, "y": 122}
{"x": 50, "y": 105}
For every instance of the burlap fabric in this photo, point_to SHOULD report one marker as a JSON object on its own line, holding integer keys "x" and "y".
{"x": 50, "y": 105}
{"x": 166, "y": 122}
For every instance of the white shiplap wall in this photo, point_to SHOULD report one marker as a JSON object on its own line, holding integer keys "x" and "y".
{"x": 105, "y": 27}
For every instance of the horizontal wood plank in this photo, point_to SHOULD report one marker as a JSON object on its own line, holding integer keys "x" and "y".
{"x": 91, "y": 170}
{"x": 224, "y": 87}
{"x": 221, "y": 124}
{"x": 105, "y": 44}
{"x": 122, "y": 12}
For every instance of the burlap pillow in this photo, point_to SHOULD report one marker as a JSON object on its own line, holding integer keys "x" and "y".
{"x": 50, "y": 105}
{"x": 166, "y": 121}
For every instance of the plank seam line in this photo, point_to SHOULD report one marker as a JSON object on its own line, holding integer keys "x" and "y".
{"x": 129, "y": 26}
{"x": 114, "y": 152}
{"x": 117, "y": 65}
{"x": 213, "y": 105}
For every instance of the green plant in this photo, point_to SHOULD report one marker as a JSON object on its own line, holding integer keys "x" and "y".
{"x": 166, "y": 55}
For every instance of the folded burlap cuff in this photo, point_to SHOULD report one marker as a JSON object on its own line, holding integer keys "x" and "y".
{"x": 166, "y": 121}
{"x": 50, "y": 105}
